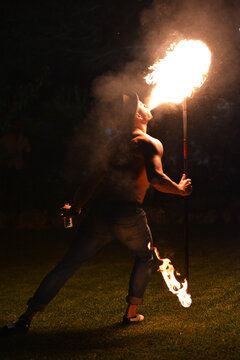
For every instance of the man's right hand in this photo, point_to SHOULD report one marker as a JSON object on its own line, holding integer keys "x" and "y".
{"x": 68, "y": 210}
{"x": 185, "y": 186}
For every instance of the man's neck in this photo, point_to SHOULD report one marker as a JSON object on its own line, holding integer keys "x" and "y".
{"x": 141, "y": 126}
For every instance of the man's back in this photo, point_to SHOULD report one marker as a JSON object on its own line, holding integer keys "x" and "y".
{"x": 126, "y": 178}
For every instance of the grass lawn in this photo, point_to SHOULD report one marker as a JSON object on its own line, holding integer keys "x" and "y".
{"x": 82, "y": 322}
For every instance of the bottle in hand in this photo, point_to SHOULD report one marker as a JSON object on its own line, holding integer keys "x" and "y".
{"x": 67, "y": 217}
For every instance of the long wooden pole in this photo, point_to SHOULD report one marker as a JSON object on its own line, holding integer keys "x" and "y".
{"x": 185, "y": 168}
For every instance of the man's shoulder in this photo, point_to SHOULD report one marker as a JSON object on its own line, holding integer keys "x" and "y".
{"x": 146, "y": 141}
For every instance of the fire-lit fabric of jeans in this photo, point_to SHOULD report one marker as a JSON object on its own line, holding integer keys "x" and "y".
{"x": 126, "y": 222}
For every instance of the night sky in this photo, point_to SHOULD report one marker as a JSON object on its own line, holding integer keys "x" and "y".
{"x": 60, "y": 57}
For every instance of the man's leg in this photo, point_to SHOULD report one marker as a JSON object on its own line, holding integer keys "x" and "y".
{"x": 135, "y": 233}
{"x": 92, "y": 236}
{"x": 131, "y": 311}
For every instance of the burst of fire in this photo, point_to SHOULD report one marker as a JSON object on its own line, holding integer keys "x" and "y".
{"x": 175, "y": 77}
{"x": 174, "y": 286}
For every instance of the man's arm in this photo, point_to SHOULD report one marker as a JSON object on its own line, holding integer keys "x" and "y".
{"x": 95, "y": 177}
{"x": 152, "y": 154}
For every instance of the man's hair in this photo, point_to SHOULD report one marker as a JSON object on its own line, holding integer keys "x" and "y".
{"x": 119, "y": 112}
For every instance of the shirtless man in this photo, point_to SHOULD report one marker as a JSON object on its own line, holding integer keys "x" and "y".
{"x": 131, "y": 164}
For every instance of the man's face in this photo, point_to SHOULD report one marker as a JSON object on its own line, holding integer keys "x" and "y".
{"x": 144, "y": 111}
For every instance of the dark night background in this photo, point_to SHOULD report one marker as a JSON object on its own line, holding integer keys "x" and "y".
{"x": 60, "y": 57}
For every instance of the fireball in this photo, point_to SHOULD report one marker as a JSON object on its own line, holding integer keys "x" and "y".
{"x": 175, "y": 77}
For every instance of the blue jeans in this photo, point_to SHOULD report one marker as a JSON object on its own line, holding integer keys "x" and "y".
{"x": 126, "y": 222}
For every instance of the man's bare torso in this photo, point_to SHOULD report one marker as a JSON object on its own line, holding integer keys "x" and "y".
{"x": 126, "y": 179}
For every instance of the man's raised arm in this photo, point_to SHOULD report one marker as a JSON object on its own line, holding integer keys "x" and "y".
{"x": 153, "y": 152}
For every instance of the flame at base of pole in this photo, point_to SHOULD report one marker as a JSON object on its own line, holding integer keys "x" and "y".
{"x": 173, "y": 285}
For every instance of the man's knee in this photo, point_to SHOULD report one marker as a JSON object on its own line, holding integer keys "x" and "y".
{"x": 145, "y": 256}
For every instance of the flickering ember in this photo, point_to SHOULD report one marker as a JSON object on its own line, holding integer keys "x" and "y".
{"x": 173, "y": 285}
{"x": 175, "y": 77}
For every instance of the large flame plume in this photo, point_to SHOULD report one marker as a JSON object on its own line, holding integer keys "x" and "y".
{"x": 175, "y": 77}
{"x": 174, "y": 286}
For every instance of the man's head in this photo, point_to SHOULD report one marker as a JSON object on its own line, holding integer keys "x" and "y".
{"x": 143, "y": 113}
{"x": 134, "y": 111}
